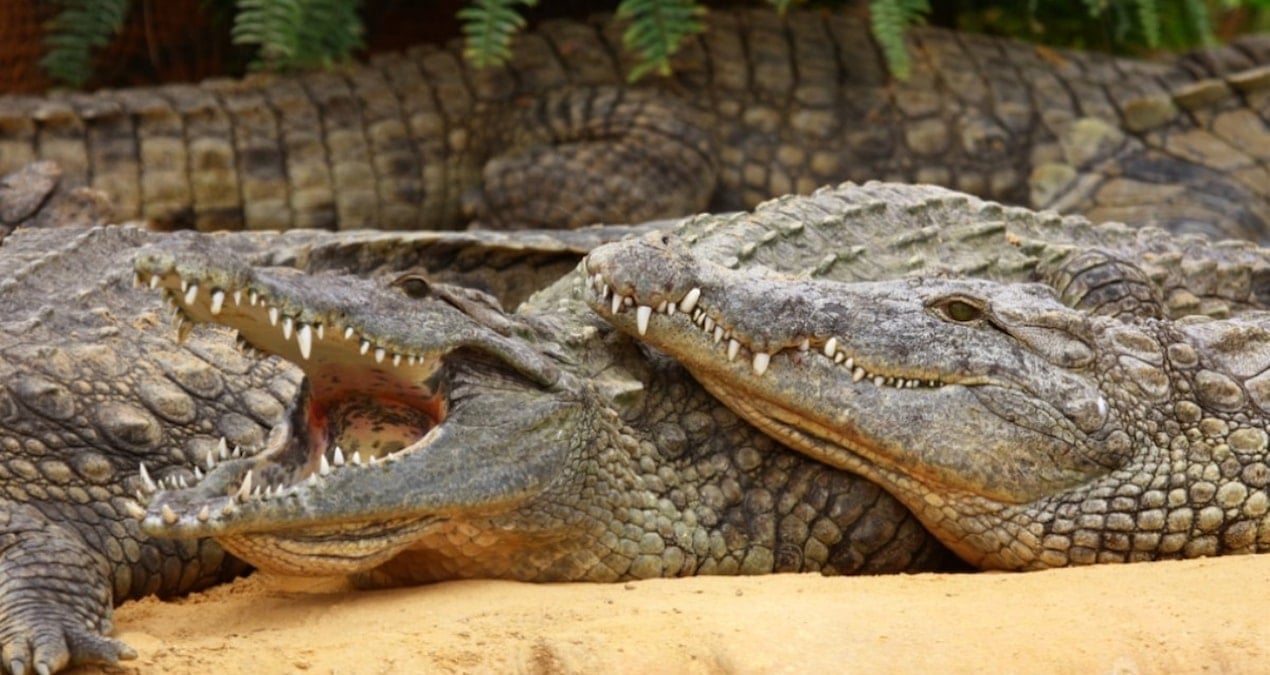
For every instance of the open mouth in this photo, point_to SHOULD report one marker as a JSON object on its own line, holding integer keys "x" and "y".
{"x": 364, "y": 401}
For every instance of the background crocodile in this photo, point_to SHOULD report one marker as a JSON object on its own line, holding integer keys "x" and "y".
{"x": 1024, "y": 433}
{"x": 762, "y": 105}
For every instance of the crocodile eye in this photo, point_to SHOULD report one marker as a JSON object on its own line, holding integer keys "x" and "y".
{"x": 414, "y": 286}
{"x": 961, "y": 311}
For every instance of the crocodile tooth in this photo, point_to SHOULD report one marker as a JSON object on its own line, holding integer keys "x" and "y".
{"x": 222, "y": 449}
{"x": 204, "y": 513}
{"x": 154, "y": 282}
{"x": 183, "y": 329}
{"x": 244, "y": 490}
{"x": 320, "y": 331}
{"x": 616, "y": 304}
{"x": 324, "y": 467}
{"x": 628, "y": 301}
{"x": 227, "y": 509}
{"x": 287, "y": 327}
{"x": 146, "y": 480}
{"x": 718, "y": 334}
{"x": 185, "y": 285}
{"x": 238, "y": 451}
{"x": 878, "y": 380}
{"x": 237, "y": 296}
{"x": 396, "y": 360}
{"x": 312, "y": 480}
{"x": 273, "y": 316}
{"x": 339, "y": 456}
{"x": 642, "y": 314}
{"x": 198, "y": 474}
{"x": 670, "y": 309}
{"x": 364, "y": 347}
{"x": 253, "y": 298}
{"x": 734, "y": 348}
{"x": 380, "y": 354}
{"x": 357, "y": 457}
{"x": 689, "y": 301}
{"x": 141, "y": 496}
{"x": 761, "y": 360}
{"x": 348, "y": 333}
{"x": 605, "y": 291}
{"x": 831, "y": 347}
{"x": 218, "y": 302}
{"x": 169, "y": 516}
{"x": 180, "y": 482}
{"x": 191, "y": 294}
{"x": 304, "y": 337}
{"x": 258, "y": 492}
{"x": 707, "y": 323}
{"x": 134, "y": 509}
{"x": 804, "y": 345}
{"x": 840, "y": 357}
{"x": 847, "y": 363}
{"x": 857, "y": 374}
{"x": 412, "y": 360}
{"x": 663, "y": 307}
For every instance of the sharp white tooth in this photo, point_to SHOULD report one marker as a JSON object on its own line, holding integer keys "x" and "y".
{"x": 604, "y": 291}
{"x": 878, "y": 380}
{"x": 761, "y": 360}
{"x": 707, "y": 323}
{"x": 312, "y": 480}
{"x": 380, "y": 354}
{"x": 253, "y": 298}
{"x": 258, "y": 492}
{"x": 734, "y": 348}
{"x": 689, "y": 301}
{"x": 169, "y": 516}
{"x": 662, "y": 307}
{"x": 324, "y": 467}
{"x": 244, "y": 490}
{"x": 348, "y": 333}
{"x": 184, "y": 285}
{"x": 396, "y": 360}
{"x": 287, "y": 326}
{"x": 412, "y": 360}
{"x": 222, "y": 449}
{"x": 203, "y": 514}
{"x": 831, "y": 347}
{"x": 146, "y": 480}
{"x": 273, "y": 316}
{"x": 191, "y": 294}
{"x": 339, "y": 456}
{"x": 238, "y": 297}
{"x": 364, "y": 347}
{"x": 238, "y": 451}
{"x": 849, "y": 363}
{"x": 357, "y": 457}
{"x": 154, "y": 282}
{"x": 228, "y": 508}
{"x": 804, "y": 345}
{"x": 670, "y": 309}
{"x": 858, "y": 374}
{"x": 218, "y": 302}
{"x": 628, "y": 301}
{"x": 198, "y": 474}
{"x": 321, "y": 331}
{"x": 180, "y": 482}
{"x": 615, "y": 305}
{"x": 304, "y": 337}
{"x": 642, "y": 314}
{"x": 134, "y": 509}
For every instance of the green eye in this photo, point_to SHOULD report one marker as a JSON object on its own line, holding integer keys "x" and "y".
{"x": 414, "y": 286}
{"x": 960, "y": 310}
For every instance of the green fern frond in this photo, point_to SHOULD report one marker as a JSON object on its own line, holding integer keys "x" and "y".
{"x": 1149, "y": 21}
{"x": 295, "y": 34}
{"x": 488, "y": 28}
{"x": 890, "y": 19}
{"x": 1200, "y": 21}
{"x": 79, "y": 28}
{"x": 657, "y": 29}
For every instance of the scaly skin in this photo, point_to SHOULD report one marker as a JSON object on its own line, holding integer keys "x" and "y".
{"x": 465, "y": 442}
{"x": 1023, "y": 432}
{"x": 761, "y": 105}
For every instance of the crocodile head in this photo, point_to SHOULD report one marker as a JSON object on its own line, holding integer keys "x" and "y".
{"x": 965, "y": 398}
{"x": 365, "y": 464}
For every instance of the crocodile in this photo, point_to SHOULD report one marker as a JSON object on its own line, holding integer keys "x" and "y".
{"x": 94, "y": 384}
{"x": 760, "y": 105}
{"x": 1070, "y": 419}
{"x": 500, "y": 422}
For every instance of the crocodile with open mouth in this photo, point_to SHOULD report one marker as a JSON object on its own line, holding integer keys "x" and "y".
{"x": 1069, "y": 420}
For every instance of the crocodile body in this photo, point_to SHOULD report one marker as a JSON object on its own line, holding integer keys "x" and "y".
{"x": 761, "y": 105}
{"x": 1074, "y": 419}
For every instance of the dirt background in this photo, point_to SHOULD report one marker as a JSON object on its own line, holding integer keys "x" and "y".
{"x": 1194, "y": 616}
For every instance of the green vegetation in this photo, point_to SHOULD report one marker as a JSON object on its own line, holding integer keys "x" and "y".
{"x": 293, "y": 34}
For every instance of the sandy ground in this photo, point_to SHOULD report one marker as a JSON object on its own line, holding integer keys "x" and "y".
{"x": 1194, "y": 616}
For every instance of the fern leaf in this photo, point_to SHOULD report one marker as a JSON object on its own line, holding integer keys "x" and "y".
{"x": 890, "y": 19}
{"x": 295, "y": 34}
{"x": 79, "y": 27}
{"x": 488, "y": 28}
{"x": 1149, "y": 21}
{"x": 657, "y": 29}
{"x": 1200, "y": 21}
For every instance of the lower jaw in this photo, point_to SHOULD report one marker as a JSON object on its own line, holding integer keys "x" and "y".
{"x": 347, "y": 548}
